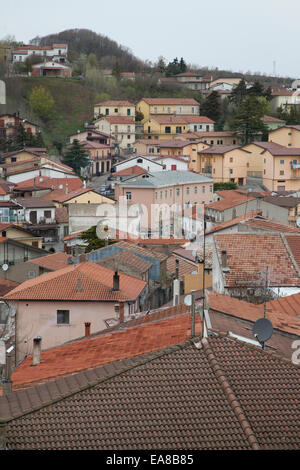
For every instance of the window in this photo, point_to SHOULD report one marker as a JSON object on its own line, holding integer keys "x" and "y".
{"x": 211, "y": 142}
{"x": 211, "y": 188}
{"x": 265, "y": 160}
{"x": 47, "y": 214}
{"x": 13, "y": 159}
{"x": 169, "y": 110}
{"x": 231, "y": 159}
{"x": 128, "y": 129}
{"x": 178, "y": 130}
{"x": 128, "y": 137}
{"x": 128, "y": 112}
{"x": 230, "y": 171}
{"x": 116, "y": 110}
{"x": 281, "y": 162}
{"x": 161, "y": 195}
{"x": 170, "y": 192}
{"x": 166, "y": 193}
{"x": 203, "y": 189}
{"x": 155, "y": 110}
{"x": 106, "y": 112}
{"x": 128, "y": 196}
{"x": 156, "y": 195}
{"x": 234, "y": 142}
{"x": 193, "y": 110}
{"x": 195, "y": 190}
{"x": 63, "y": 317}
{"x": 177, "y": 192}
{"x": 139, "y": 160}
{"x": 168, "y": 130}
{"x": 187, "y": 190}
{"x": 281, "y": 172}
{"x": 207, "y": 127}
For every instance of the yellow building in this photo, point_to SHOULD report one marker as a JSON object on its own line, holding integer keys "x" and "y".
{"x": 19, "y": 234}
{"x": 281, "y": 167}
{"x": 255, "y": 159}
{"x": 151, "y": 107}
{"x": 80, "y": 196}
{"x": 223, "y": 164}
{"x": 289, "y": 136}
{"x": 114, "y": 108}
{"x": 165, "y": 127}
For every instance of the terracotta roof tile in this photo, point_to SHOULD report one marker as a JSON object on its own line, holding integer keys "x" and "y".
{"x": 229, "y": 199}
{"x": 270, "y": 225}
{"x": 96, "y": 284}
{"x": 133, "y": 170}
{"x": 235, "y": 221}
{"x": 294, "y": 244}
{"x": 52, "y": 262}
{"x": 249, "y": 255}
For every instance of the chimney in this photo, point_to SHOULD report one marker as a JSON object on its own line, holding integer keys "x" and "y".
{"x": 82, "y": 258}
{"x": 79, "y": 285}
{"x": 177, "y": 269}
{"x": 119, "y": 311}
{"x": 176, "y": 292}
{"x": 87, "y": 329}
{"x": 116, "y": 282}
{"x": 36, "y": 351}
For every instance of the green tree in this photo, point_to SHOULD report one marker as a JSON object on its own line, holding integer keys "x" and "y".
{"x": 116, "y": 72}
{"x": 239, "y": 93}
{"x": 211, "y": 106}
{"x": 224, "y": 186}
{"x": 76, "y": 157}
{"x": 41, "y": 102}
{"x": 161, "y": 65}
{"x": 94, "y": 243}
{"x": 182, "y": 66}
{"x": 92, "y": 61}
{"x": 247, "y": 121}
{"x": 288, "y": 114}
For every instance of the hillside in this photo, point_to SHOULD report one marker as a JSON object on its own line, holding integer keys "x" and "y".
{"x": 84, "y": 41}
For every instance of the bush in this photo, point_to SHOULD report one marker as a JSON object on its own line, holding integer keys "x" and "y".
{"x": 224, "y": 186}
{"x": 41, "y": 102}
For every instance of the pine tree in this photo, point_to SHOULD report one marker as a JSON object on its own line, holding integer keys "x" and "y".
{"x": 76, "y": 157}
{"x": 212, "y": 106}
{"x": 247, "y": 120}
{"x": 239, "y": 93}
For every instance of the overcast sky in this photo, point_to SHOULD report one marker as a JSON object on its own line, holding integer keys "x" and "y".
{"x": 229, "y": 34}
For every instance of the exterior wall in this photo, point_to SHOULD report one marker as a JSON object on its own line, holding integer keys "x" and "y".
{"x": 8, "y": 124}
{"x": 89, "y": 198}
{"x": 194, "y": 281}
{"x": 51, "y": 70}
{"x": 40, "y": 214}
{"x": 123, "y": 133}
{"x": 170, "y": 163}
{"x": 18, "y": 178}
{"x": 232, "y": 212}
{"x": 255, "y": 160}
{"x": 231, "y": 166}
{"x": 271, "y": 211}
{"x": 152, "y": 110}
{"x": 189, "y": 194}
{"x": 285, "y": 136}
{"x": 147, "y": 164}
{"x": 11, "y": 254}
{"x": 111, "y": 111}
{"x": 21, "y": 156}
{"x": 156, "y": 130}
{"x": 278, "y": 173}
{"x": 196, "y": 127}
{"x": 219, "y": 139}
{"x": 40, "y": 319}
{"x": 51, "y": 52}
{"x": 23, "y": 237}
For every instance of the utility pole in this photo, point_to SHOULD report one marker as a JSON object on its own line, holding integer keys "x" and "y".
{"x": 265, "y": 292}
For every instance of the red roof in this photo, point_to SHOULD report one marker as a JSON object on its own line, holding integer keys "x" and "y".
{"x": 289, "y": 305}
{"x": 230, "y": 199}
{"x": 47, "y": 182}
{"x": 235, "y": 221}
{"x": 249, "y": 255}
{"x": 106, "y": 348}
{"x": 133, "y": 170}
{"x": 52, "y": 262}
{"x": 115, "y": 102}
{"x": 170, "y": 101}
{"x": 119, "y": 119}
{"x": 96, "y": 284}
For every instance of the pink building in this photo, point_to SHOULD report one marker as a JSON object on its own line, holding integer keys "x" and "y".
{"x": 56, "y": 305}
{"x": 165, "y": 189}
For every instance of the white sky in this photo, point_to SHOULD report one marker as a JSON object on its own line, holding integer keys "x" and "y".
{"x": 236, "y": 35}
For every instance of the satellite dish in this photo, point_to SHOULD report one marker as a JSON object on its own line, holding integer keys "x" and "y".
{"x": 4, "y": 267}
{"x": 188, "y": 300}
{"x": 298, "y": 222}
{"x": 262, "y": 330}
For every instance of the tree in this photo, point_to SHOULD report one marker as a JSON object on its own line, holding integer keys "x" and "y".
{"x": 248, "y": 119}
{"x": 161, "y": 65}
{"x": 92, "y": 61}
{"x": 256, "y": 89}
{"x": 289, "y": 114}
{"x": 211, "y": 106}
{"x": 94, "y": 242}
{"x": 116, "y": 72}
{"x": 182, "y": 65}
{"x": 239, "y": 93}
{"x": 76, "y": 157}
{"x": 41, "y": 102}
{"x": 225, "y": 186}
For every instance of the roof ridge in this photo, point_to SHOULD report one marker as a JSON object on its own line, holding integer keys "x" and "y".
{"x": 22, "y": 402}
{"x": 234, "y": 403}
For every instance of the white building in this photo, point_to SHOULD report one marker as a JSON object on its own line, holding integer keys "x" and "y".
{"x": 122, "y": 128}
{"x": 56, "y": 51}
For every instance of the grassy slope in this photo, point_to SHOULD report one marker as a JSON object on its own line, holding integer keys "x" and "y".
{"x": 73, "y": 104}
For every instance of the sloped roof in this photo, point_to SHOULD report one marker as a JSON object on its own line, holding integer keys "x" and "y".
{"x": 52, "y": 262}
{"x": 170, "y": 101}
{"x": 270, "y": 225}
{"x": 96, "y": 285}
{"x": 230, "y": 199}
{"x": 289, "y": 305}
{"x": 249, "y": 255}
{"x": 127, "y": 258}
{"x": 115, "y": 103}
{"x": 223, "y": 394}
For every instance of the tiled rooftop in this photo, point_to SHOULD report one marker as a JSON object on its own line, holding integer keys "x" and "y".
{"x": 96, "y": 284}
{"x": 249, "y": 255}
{"x": 223, "y": 395}
{"x": 229, "y": 199}
{"x": 52, "y": 262}
{"x": 270, "y": 225}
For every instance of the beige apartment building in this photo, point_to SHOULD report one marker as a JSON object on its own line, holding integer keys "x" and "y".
{"x": 114, "y": 108}
{"x": 122, "y": 128}
{"x": 281, "y": 167}
{"x": 223, "y": 163}
{"x": 289, "y": 136}
{"x": 151, "y": 107}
